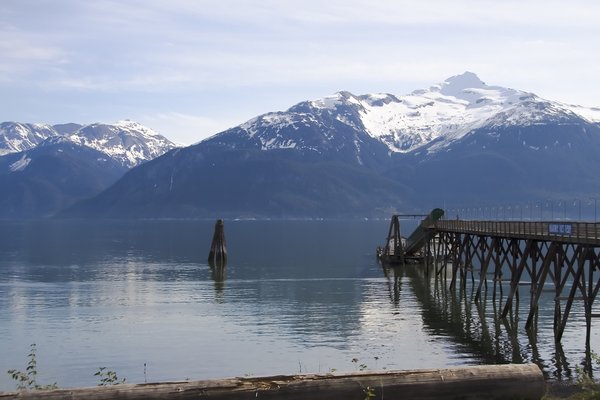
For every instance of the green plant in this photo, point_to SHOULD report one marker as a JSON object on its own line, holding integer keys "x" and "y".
{"x": 590, "y": 389}
{"x": 27, "y": 379}
{"x": 369, "y": 393}
{"x": 108, "y": 377}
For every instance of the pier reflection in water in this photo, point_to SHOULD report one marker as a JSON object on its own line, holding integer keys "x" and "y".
{"x": 477, "y": 329}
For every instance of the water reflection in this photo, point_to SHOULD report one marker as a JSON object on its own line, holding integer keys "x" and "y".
{"x": 476, "y": 328}
{"x": 218, "y": 276}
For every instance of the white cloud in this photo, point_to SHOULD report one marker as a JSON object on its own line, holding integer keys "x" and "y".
{"x": 188, "y": 50}
{"x": 555, "y": 13}
{"x": 23, "y": 53}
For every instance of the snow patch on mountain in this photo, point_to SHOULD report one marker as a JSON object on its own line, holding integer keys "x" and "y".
{"x": 16, "y": 137}
{"x": 20, "y": 165}
{"x": 272, "y": 130}
{"x": 332, "y": 102}
{"x": 139, "y": 128}
{"x": 126, "y": 141}
{"x": 445, "y": 111}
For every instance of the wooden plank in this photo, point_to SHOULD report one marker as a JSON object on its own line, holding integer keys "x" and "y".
{"x": 479, "y": 382}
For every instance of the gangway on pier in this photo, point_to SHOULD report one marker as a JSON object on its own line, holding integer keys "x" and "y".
{"x": 423, "y": 234}
{"x": 397, "y": 249}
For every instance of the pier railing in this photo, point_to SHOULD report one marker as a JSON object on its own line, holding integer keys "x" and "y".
{"x": 566, "y": 232}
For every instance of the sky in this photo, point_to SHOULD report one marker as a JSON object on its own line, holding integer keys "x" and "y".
{"x": 192, "y": 68}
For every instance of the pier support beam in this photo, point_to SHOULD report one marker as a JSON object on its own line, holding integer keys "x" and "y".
{"x": 530, "y": 256}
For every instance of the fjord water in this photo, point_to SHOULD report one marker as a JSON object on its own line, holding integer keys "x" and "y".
{"x": 296, "y": 296}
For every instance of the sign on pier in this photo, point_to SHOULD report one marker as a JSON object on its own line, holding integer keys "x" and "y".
{"x": 560, "y": 229}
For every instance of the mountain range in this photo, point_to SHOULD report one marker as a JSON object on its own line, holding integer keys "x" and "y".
{"x": 127, "y": 142}
{"x": 458, "y": 142}
{"x": 44, "y": 169}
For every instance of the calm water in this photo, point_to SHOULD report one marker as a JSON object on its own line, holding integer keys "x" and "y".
{"x": 297, "y": 296}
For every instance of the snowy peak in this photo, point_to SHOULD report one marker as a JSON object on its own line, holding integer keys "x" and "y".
{"x": 16, "y": 137}
{"x": 347, "y": 99}
{"x": 401, "y": 123}
{"x": 432, "y": 118}
{"x": 459, "y": 105}
{"x": 126, "y": 141}
{"x": 456, "y": 85}
{"x": 473, "y": 91}
{"x": 336, "y": 100}
{"x": 133, "y": 126}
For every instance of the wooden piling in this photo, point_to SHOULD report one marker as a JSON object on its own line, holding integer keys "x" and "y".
{"x": 507, "y": 381}
{"x": 217, "y": 257}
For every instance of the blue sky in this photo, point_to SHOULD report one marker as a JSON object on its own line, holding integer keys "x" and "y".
{"x": 192, "y": 68}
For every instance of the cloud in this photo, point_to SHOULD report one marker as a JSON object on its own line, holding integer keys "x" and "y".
{"x": 392, "y": 12}
{"x": 24, "y": 53}
{"x": 188, "y": 50}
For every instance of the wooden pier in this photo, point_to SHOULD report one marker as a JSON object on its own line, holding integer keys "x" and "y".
{"x": 560, "y": 256}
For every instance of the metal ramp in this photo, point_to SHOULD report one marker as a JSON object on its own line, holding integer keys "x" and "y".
{"x": 398, "y": 250}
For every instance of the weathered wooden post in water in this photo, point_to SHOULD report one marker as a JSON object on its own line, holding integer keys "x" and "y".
{"x": 217, "y": 257}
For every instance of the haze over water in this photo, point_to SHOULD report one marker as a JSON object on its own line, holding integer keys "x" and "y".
{"x": 297, "y": 296}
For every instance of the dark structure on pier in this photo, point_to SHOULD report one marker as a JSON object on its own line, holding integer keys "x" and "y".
{"x": 562, "y": 257}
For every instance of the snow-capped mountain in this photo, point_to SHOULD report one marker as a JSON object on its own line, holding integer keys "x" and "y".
{"x": 323, "y": 130}
{"x": 460, "y": 142}
{"x": 44, "y": 168}
{"x": 125, "y": 141}
{"x": 16, "y": 137}
{"x": 443, "y": 114}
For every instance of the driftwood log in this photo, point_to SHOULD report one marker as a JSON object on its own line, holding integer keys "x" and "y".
{"x": 508, "y": 381}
